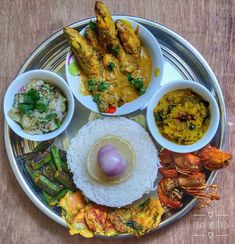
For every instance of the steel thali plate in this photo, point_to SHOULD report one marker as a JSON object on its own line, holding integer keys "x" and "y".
{"x": 181, "y": 61}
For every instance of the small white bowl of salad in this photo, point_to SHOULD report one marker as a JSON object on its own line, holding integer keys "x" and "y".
{"x": 38, "y": 105}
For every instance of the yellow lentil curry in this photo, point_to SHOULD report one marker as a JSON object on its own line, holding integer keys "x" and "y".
{"x": 116, "y": 66}
{"x": 182, "y": 116}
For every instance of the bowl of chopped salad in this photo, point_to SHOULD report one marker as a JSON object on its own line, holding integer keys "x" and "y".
{"x": 38, "y": 105}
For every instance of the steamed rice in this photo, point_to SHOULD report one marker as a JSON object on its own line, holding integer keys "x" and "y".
{"x": 140, "y": 182}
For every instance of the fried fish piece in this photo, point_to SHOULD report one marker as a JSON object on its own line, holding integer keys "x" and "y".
{"x": 105, "y": 25}
{"x": 107, "y": 35}
{"x": 128, "y": 37}
{"x": 84, "y": 53}
{"x": 91, "y": 37}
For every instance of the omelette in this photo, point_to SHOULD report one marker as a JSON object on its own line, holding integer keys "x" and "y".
{"x": 90, "y": 218}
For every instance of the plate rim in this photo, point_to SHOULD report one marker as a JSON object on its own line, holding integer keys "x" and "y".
{"x": 188, "y": 207}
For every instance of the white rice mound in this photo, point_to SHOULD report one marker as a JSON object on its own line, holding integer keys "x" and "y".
{"x": 144, "y": 174}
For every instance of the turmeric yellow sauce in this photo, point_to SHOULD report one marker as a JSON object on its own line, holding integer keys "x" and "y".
{"x": 122, "y": 86}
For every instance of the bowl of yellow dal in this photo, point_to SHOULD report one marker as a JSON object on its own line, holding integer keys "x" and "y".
{"x": 183, "y": 116}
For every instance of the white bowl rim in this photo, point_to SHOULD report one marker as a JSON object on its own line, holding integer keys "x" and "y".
{"x": 132, "y": 107}
{"x": 55, "y": 79}
{"x": 199, "y": 89}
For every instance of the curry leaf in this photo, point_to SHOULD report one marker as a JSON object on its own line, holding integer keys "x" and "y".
{"x": 111, "y": 66}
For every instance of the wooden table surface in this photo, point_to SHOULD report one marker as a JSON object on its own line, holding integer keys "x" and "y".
{"x": 207, "y": 24}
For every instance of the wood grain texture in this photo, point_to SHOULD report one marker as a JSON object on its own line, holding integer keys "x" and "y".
{"x": 207, "y": 24}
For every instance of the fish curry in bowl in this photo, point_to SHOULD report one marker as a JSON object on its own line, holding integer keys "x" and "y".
{"x": 114, "y": 65}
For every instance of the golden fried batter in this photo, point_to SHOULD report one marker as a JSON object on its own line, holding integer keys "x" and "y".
{"x": 92, "y": 39}
{"x": 78, "y": 225}
{"x": 73, "y": 205}
{"x": 147, "y": 214}
{"x": 84, "y": 53}
{"x": 96, "y": 216}
{"x": 105, "y": 24}
{"x": 120, "y": 219}
{"x": 129, "y": 39}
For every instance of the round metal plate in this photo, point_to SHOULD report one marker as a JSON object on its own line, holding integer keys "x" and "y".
{"x": 181, "y": 61}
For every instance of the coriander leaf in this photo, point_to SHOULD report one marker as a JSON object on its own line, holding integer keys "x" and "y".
{"x": 91, "y": 83}
{"x": 96, "y": 97}
{"x": 159, "y": 117}
{"x": 142, "y": 90}
{"x": 51, "y": 116}
{"x": 170, "y": 107}
{"x": 92, "y": 24}
{"x": 28, "y": 99}
{"x": 25, "y": 108}
{"x": 34, "y": 94}
{"x": 58, "y": 123}
{"x": 129, "y": 77}
{"x": 138, "y": 83}
{"x": 41, "y": 107}
{"x": 102, "y": 86}
{"x": 115, "y": 50}
{"x": 111, "y": 66}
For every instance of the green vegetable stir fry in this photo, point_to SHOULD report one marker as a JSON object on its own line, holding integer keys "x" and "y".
{"x": 49, "y": 171}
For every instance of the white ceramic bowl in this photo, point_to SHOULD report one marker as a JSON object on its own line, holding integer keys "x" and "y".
{"x": 20, "y": 82}
{"x": 148, "y": 41}
{"x": 205, "y": 94}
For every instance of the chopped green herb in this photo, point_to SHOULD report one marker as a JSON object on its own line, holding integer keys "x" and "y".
{"x": 51, "y": 116}
{"x": 96, "y": 97}
{"x": 41, "y": 107}
{"x": 28, "y": 99}
{"x": 159, "y": 117}
{"x": 31, "y": 101}
{"x": 142, "y": 90}
{"x": 91, "y": 84}
{"x": 102, "y": 86}
{"x": 111, "y": 66}
{"x": 92, "y": 25}
{"x": 170, "y": 108}
{"x": 58, "y": 123}
{"x": 26, "y": 108}
{"x": 134, "y": 225}
{"x": 34, "y": 94}
{"x": 144, "y": 203}
{"x": 115, "y": 50}
{"x": 137, "y": 83}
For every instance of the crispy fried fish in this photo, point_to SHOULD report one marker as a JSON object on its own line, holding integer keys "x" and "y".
{"x": 84, "y": 53}
{"x": 105, "y": 25}
{"x": 128, "y": 37}
{"x": 91, "y": 37}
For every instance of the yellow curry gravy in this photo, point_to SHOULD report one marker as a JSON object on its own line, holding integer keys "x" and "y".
{"x": 120, "y": 85}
